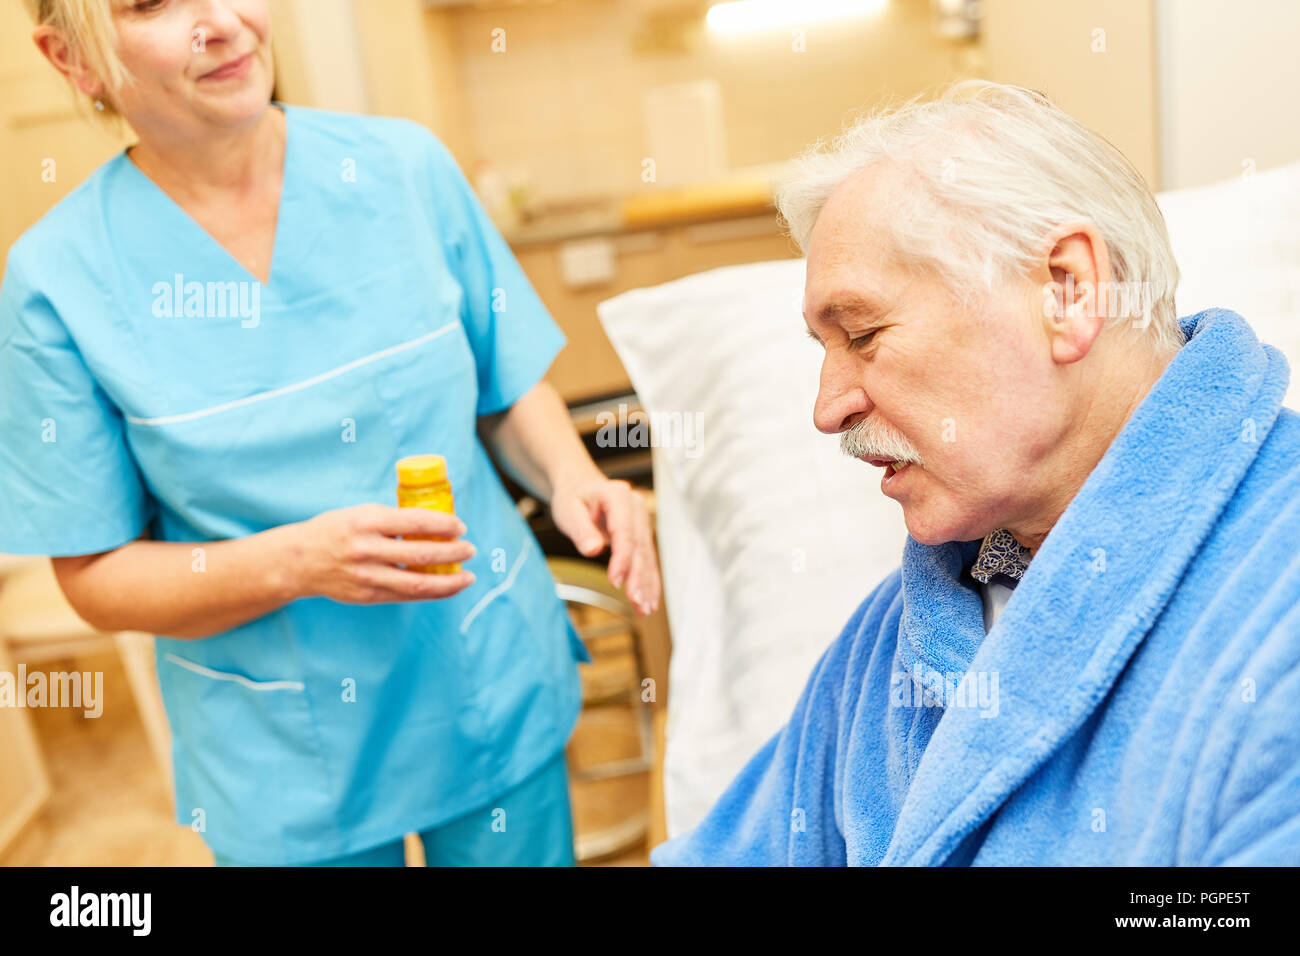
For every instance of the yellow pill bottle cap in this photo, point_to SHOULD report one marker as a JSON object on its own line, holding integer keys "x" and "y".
{"x": 421, "y": 470}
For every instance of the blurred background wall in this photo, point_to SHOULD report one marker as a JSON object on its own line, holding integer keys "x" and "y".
{"x": 1228, "y": 79}
{"x": 556, "y": 104}
{"x": 565, "y": 98}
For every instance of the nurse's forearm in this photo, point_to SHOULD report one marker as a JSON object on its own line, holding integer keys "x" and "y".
{"x": 184, "y": 589}
{"x": 537, "y": 443}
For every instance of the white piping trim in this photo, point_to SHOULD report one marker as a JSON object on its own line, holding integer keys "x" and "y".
{"x": 306, "y": 383}
{"x": 237, "y": 678}
{"x": 497, "y": 591}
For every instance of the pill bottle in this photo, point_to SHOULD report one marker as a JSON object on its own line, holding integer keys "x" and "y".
{"x": 422, "y": 483}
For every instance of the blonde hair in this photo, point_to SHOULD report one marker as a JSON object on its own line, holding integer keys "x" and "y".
{"x": 997, "y": 167}
{"x": 87, "y": 27}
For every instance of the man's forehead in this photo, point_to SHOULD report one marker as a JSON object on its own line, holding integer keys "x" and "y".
{"x": 848, "y": 259}
{"x": 852, "y": 206}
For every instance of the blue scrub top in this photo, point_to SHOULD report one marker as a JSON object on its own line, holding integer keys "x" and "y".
{"x": 147, "y": 379}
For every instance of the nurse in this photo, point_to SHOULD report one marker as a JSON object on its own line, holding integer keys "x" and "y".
{"x": 212, "y": 354}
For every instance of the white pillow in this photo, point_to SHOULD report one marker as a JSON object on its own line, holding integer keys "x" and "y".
{"x": 1237, "y": 247}
{"x": 769, "y": 535}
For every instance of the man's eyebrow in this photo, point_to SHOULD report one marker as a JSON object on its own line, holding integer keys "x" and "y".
{"x": 857, "y": 306}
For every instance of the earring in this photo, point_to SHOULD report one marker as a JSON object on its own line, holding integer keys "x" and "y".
{"x": 99, "y": 104}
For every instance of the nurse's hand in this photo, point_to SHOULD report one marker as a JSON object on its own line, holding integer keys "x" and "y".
{"x": 598, "y": 511}
{"x": 352, "y": 554}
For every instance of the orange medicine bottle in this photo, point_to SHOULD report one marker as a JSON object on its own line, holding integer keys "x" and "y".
{"x": 422, "y": 483}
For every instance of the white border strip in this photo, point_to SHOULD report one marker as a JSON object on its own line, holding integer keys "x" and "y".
{"x": 237, "y": 678}
{"x": 307, "y": 383}
{"x": 497, "y": 591}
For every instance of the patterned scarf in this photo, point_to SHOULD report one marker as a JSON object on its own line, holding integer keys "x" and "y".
{"x": 1000, "y": 553}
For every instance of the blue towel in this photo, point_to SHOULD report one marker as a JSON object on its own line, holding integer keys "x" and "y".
{"x": 1138, "y": 701}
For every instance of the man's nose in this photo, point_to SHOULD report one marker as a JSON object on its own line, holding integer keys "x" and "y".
{"x": 841, "y": 400}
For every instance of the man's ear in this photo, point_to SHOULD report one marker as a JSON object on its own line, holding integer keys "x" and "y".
{"x": 1076, "y": 278}
{"x": 66, "y": 60}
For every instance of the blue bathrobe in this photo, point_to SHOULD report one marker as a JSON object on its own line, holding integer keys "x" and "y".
{"x": 1138, "y": 701}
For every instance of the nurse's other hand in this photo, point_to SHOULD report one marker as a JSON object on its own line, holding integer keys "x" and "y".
{"x": 598, "y": 511}
{"x": 352, "y": 554}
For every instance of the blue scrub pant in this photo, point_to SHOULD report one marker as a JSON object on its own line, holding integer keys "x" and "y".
{"x": 533, "y": 827}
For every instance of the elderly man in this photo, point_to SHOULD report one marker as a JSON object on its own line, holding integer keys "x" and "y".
{"x": 1091, "y": 652}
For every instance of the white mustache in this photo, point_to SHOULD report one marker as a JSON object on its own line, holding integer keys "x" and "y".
{"x": 871, "y": 438}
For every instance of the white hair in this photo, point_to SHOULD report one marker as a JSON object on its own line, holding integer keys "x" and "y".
{"x": 996, "y": 169}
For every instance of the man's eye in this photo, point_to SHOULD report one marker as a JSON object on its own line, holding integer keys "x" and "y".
{"x": 862, "y": 340}
{"x": 146, "y": 5}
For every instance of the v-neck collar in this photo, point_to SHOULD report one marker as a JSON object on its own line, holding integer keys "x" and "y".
{"x": 277, "y": 245}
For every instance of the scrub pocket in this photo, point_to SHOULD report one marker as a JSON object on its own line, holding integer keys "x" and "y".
{"x": 519, "y": 654}
{"x": 544, "y": 619}
{"x": 250, "y": 746}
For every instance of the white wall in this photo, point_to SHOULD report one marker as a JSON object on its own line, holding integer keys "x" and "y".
{"x": 1228, "y": 77}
